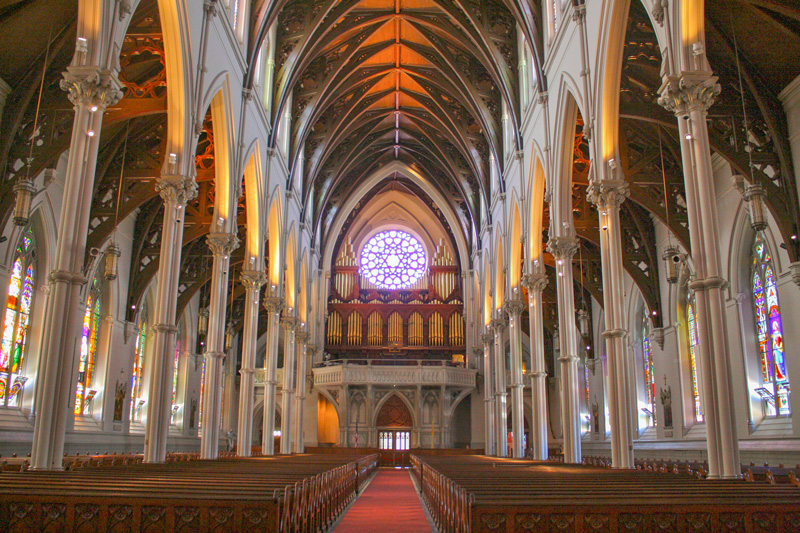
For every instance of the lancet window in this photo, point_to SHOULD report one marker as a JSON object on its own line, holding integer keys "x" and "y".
{"x": 88, "y": 348}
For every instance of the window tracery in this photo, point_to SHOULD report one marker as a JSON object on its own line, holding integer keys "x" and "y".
{"x": 89, "y": 334}
{"x": 769, "y": 330}
{"x": 14, "y": 343}
{"x": 693, "y": 342}
{"x": 393, "y": 259}
{"x": 136, "y": 374}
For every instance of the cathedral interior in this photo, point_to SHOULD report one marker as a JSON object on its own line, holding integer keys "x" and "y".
{"x": 537, "y": 229}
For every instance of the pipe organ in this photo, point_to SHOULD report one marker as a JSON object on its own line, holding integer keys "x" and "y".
{"x": 422, "y": 321}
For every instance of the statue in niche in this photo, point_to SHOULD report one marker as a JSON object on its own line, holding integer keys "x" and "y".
{"x": 192, "y": 413}
{"x": 666, "y": 402}
{"x": 595, "y": 417}
{"x": 119, "y": 400}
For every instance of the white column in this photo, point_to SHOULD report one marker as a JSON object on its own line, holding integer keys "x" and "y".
{"x": 304, "y": 351}
{"x": 563, "y": 248}
{"x": 535, "y": 283}
{"x": 290, "y": 326}
{"x": 514, "y": 310}
{"x": 689, "y": 95}
{"x": 252, "y": 281}
{"x": 500, "y": 392}
{"x": 221, "y": 245}
{"x": 608, "y": 195}
{"x": 175, "y": 191}
{"x": 91, "y": 90}
{"x": 488, "y": 393}
{"x": 274, "y": 305}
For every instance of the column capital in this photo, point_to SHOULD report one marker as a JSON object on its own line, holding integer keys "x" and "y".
{"x": 176, "y": 189}
{"x": 607, "y": 194}
{"x": 302, "y": 336}
{"x": 273, "y": 304}
{"x": 165, "y": 328}
{"x": 222, "y": 243}
{"x": 534, "y": 282}
{"x": 487, "y": 338}
{"x": 91, "y": 86}
{"x": 563, "y": 248}
{"x": 253, "y": 279}
{"x": 290, "y": 323}
{"x": 498, "y": 325}
{"x": 794, "y": 268}
{"x": 214, "y": 355}
{"x": 513, "y": 307}
{"x": 688, "y": 91}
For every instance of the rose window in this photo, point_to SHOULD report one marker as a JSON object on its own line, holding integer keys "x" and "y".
{"x": 393, "y": 259}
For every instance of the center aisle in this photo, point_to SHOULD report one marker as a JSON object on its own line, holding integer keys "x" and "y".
{"x": 389, "y": 504}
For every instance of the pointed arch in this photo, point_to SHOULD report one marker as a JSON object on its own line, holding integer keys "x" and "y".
{"x": 515, "y": 246}
{"x": 561, "y": 200}
{"x": 253, "y": 180}
{"x": 499, "y": 274}
{"x": 536, "y": 179}
{"x": 290, "y": 272}
{"x": 394, "y": 411}
{"x": 225, "y": 183}
{"x": 275, "y": 235}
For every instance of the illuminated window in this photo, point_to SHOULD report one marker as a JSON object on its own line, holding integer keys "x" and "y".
{"x": 693, "y": 342}
{"x": 16, "y": 321}
{"x": 91, "y": 327}
{"x": 175, "y": 375}
{"x": 393, "y": 260}
{"x": 136, "y": 374}
{"x": 202, "y": 393}
{"x": 769, "y": 331}
{"x": 649, "y": 371}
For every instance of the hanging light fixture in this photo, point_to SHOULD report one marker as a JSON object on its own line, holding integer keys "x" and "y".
{"x": 230, "y": 333}
{"x": 672, "y": 257}
{"x": 754, "y": 194}
{"x": 25, "y": 190}
{"x": 202, "y": 321}
{"x": 112, "y": 262}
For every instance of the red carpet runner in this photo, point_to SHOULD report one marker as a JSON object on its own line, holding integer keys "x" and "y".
{"x": 389, "y": 504}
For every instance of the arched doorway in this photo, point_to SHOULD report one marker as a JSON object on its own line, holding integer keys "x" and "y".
{"x": 394, "y": 424}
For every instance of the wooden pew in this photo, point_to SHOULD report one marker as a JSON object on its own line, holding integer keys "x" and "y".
{"x": 480, "y": 494}
{"x": 286, "y": 493}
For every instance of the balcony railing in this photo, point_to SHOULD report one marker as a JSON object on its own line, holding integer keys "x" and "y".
{"x": 394, "y": 372}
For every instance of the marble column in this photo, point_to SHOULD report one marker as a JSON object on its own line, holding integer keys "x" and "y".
{"x": 175, "y": 191}
{"x": 488, "y": 393}
{"x": 535, "y": 283}
{"x": 563, "y": 248}
{"x": 689, "y": 95}
{"x": 252, "y": 281}
{"x": 222, "y": 245}
{"x": 514, "y": 310}
{"x": 290, "y": 326}
{"x": 91, "y": 90}
{"x": 304, "y": 352}
{"x": 608, "y": 195}
{"x": 274, "y": 305}
{"x": 500, "y": 389}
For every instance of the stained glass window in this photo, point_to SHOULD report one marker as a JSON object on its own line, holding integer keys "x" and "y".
{"x": 16, "y": 321}
{"x": 769, "y": 331}
{"x": 91, "y": 326}
{"x": 202, "y": 393}
{"x": 649, "y": 370}
{"x": 393, "y": 259}
{"x": 136, "y": 373}
{"x": 694, "y": 340}
{"x": 175, "y": 368}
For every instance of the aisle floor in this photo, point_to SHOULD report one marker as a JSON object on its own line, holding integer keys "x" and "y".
{"x": 389, "y": 504}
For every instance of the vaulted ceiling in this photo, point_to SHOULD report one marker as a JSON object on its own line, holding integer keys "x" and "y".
{"x": 422, "y": 82}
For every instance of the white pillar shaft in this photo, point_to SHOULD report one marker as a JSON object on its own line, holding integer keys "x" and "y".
{"x": 221, "y": 244}
{"x": 488, "y": 394}
{"x": 300, "y": 394}
{"x": 88, "y": 87}
{"x": 252, "y": 282}
{"x": 514, "y": 310}
{"x": 287, "y": 394}
{"x": 500, "y": 390}
{"x": 563, "y": 248}
{"x": 274, "y": 307}
{"x": 538, "y": 373}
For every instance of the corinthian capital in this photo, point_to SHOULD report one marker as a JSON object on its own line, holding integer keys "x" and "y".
{"x": 302, "y": 336}
{"x": 534, "y": 282}
{"x": 498, "y": 325}
{"x": 290, "y": 323}
{"x": 274, "y": 305}
{"x": 176, "y": 189}
{"x": 222, "y": 243}
{"x": 687, "y": 91}
{"x": 563, "y": 248}
{"x": 513, "y": 307}
{"x": 253, "y": 279}
{"x": 90, "y": 86}
{"x": 607, "y": 194}
{"x": 487, "y": 338}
